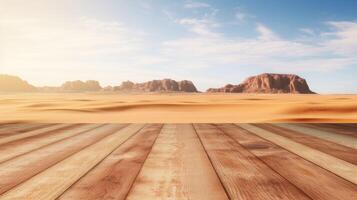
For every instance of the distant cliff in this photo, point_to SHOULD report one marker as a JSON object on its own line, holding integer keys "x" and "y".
{"x": 264, "y": 83}
{"x": 81, "y": 86}
{"x": 10, "y": 83}
{"x": 165, "y": 85}
{"x": 268, "y": 83}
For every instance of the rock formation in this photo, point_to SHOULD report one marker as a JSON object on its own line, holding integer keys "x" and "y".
{"x": 125, "y": 86}
{"x": 165, "y": 85}
{"x": 268, "y": 83}
{"x": 79, "y": 86}
{"x": 187, "y": 86}
{"x": 264, "y": 83}
{"x": 10, "y": 83}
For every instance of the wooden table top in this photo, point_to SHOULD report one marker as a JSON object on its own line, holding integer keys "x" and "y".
{"x": 178, "y": 161}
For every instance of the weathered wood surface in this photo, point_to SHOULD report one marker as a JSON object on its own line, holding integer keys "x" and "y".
{"x": 315, "y": 181}
{"x": 12, "y": 129}
{"x": 346, "y": 140}
{"x": 345, "y": 129}
{"x": 113, "y": 178}
{"x": 52, "y": 182}
{"x": 32, "y": 133}
{"x": 19, "y": 169}
{"x": 178, "y": 161}
{"x": 177, "y": 168}
{"x": 241, "y": 172}
{"x": 337, "y": 166}
{"x": 340, "y": 151}
{"x": 24, "y": 145}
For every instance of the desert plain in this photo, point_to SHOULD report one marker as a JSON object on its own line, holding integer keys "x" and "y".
{"x": 101, "y": 107}
{"x": 177, "y": 146}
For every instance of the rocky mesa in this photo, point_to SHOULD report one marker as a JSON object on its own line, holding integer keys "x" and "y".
{"x": 263, "y": 83}
{"x": 78, "y": 85}
{"x": 164, "y": 85}
{"x": 268, "y": 83}
{"x": 10, "y": 83}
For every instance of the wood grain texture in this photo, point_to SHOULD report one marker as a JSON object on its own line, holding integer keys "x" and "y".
{"x": 177, "y": 168}
{"x": 32, "y": 133}
{"x": 340, "y": 151}
{"x": 176, "y": 161}
{"x": 54, "y": 181}
{"x": 243, "y": 175}
{"x": 345, "y": 129}
{"x": 21, "y": 146}
{"x": 337, "y": 166}
{"x": 315, "y": 181}
{"x": 345, "y": 140}
{"x": 113, "y": 177}
{"x": 13, "y": 129}
{"x": 19, "y": 169}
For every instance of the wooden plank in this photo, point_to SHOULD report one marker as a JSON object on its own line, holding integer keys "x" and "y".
{"x": 315, "y": 181}
{"x": 345, "y": 140}
{"x": 337, "y": 166}
{"x": 21, "y": 168}
{"x": 345, "y": 129}
{"x": 113, "y": 178}
{"x": 51, "y": 183}
{"x": 21, "y": 146}
{"x": 177, "y": 168}
{"x": 6, "y": 124}
{"x": 342, "y": 152}
{"x": 32, "y": 133}
{"x": 20, "y": 128}
{"x": 243, "y": 175}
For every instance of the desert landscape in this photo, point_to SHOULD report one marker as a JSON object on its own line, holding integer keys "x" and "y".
{"x": 261, "y": 98}
{"x": 163, "y": 139}
{"x": 176, "y": 107}
{"x": 178, "y": 100}
{"x": 269, "y": 137}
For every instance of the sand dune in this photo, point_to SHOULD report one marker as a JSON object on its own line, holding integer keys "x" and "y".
{"x": 185, "y": 108}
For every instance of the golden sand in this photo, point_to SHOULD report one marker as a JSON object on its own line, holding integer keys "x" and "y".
{"x": 178, "y": 108}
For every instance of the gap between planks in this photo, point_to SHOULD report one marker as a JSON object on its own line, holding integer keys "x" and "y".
{"x": 334, "y": 149}
{"x": 177, "y": 168}
{"x": 21, "y": 168}
{"x": 114, "y": 176}
{"x": 243, "y": 175}
{"x": 337, "y": 166}
{"x": 313, "y": 180}
{"x": 32, "y": 133}
{"x": 28, "y": 144}
{"x": 345, "y": 140}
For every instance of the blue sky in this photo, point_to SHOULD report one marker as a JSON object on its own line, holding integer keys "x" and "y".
{"x": 210, "y": 42}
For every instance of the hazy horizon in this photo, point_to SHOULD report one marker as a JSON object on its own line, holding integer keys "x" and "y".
{"x": 211, "y": 43}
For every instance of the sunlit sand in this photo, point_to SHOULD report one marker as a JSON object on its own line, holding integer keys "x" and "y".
{"x": 177, "y": 108}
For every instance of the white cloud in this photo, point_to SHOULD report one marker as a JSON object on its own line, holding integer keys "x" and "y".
{"x": 343, "y": 38}
{"x": 145, "y": 5}
{"x": 267, "y": 51}
{"x": 168, "y": 14}
{"x": 240, "y": 16}
{"x": 84, "y": 36}
{"x": 210, "y": 48}
{"x": 84, "y": 47}
{"x": 307, "y": 31}
{"x": 200, "y": 26}
{"x": 266, "y": 33}
{"x": 193, "y": 5}
{"x": 92, "y": 48}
